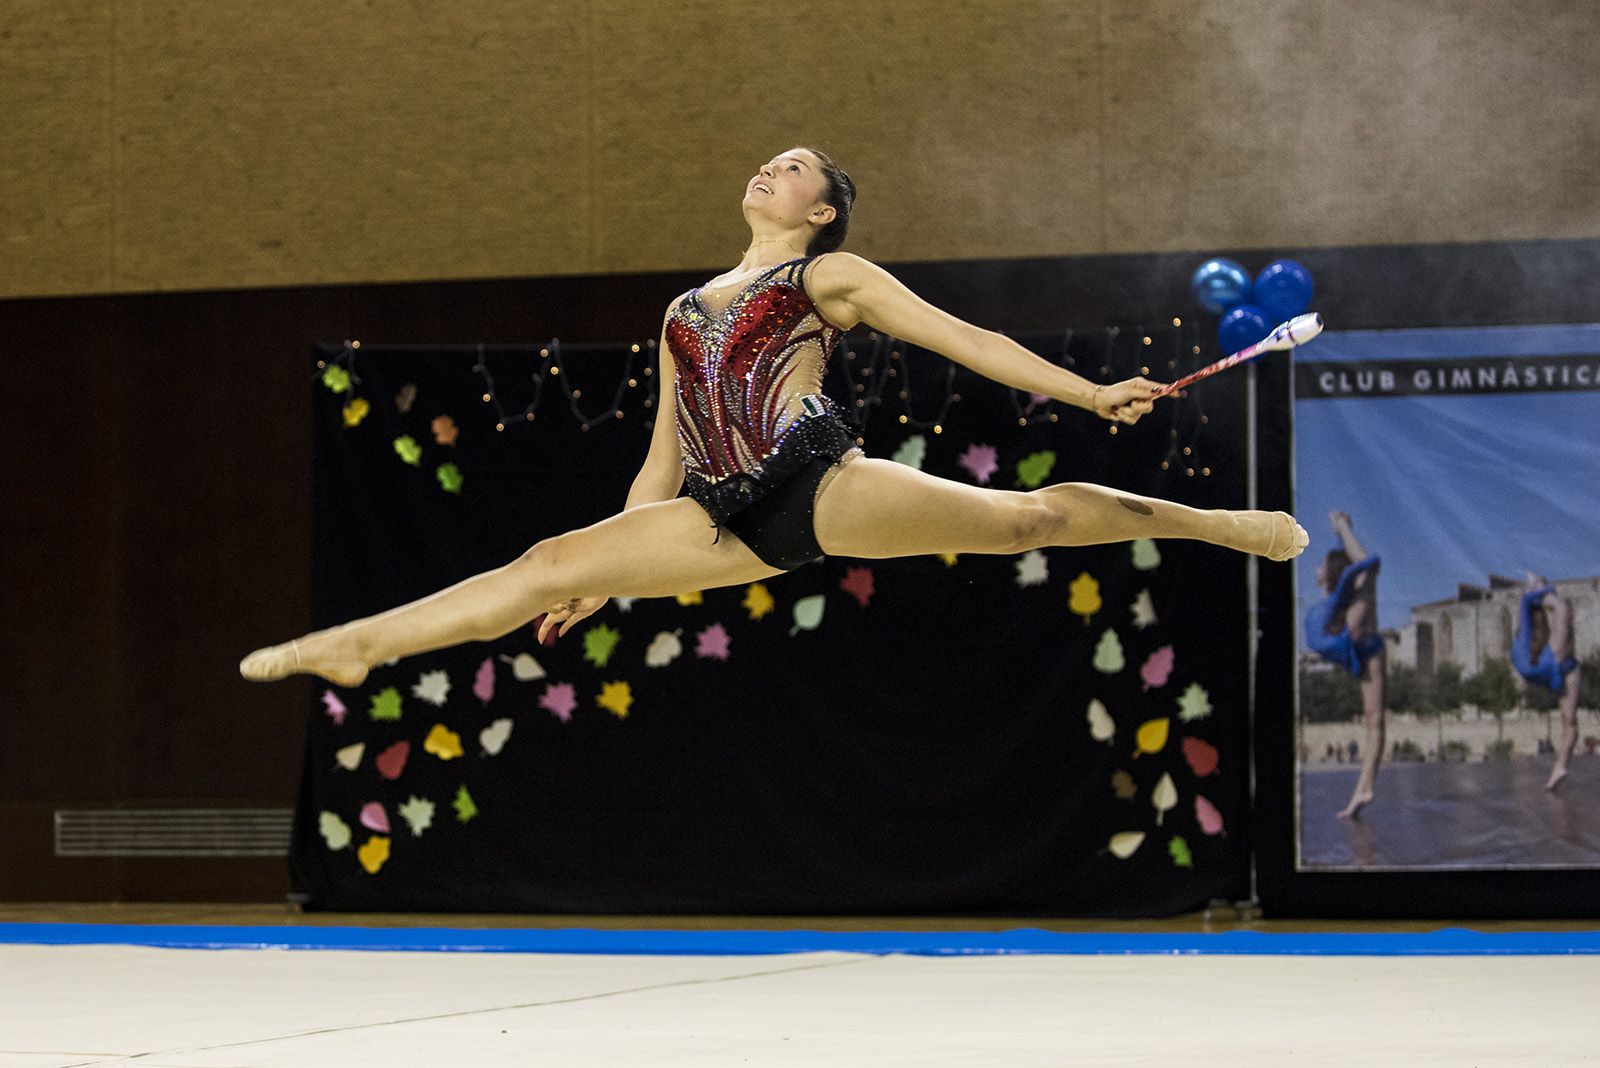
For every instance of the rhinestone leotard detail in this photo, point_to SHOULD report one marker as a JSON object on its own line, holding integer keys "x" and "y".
{"x": 750, "y": 407}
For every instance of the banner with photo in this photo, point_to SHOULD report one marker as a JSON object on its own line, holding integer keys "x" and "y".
{"x": 1448, "y": 712}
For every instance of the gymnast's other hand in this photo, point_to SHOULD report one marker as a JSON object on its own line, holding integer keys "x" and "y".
{"x": 1125, "y": 402}
{"x": 567, "y": 615}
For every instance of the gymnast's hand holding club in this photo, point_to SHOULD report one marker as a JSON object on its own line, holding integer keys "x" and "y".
{"x": 1297, "y": 331}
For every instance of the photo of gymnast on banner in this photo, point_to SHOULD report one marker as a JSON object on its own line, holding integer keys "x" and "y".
{"x": 1448, "y": 654}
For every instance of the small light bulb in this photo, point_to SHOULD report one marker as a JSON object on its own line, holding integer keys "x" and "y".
{"x": 499, "y": 426}
{"x": 902, "y": 418}
{"x": 636, "y": 348}
{"x": 486, "y": 398}
{"x": 937, "y": 429}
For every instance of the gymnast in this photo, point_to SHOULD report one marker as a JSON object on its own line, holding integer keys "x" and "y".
{"x": 1343, "y": 629}
{"x": 746, "y": 444}
{"x": 1542, "y": 653}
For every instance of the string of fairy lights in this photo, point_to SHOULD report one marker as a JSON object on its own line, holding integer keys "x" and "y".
{"x": 877, "y": 370}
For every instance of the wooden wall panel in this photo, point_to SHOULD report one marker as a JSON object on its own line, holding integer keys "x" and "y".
{"x": 318, "y": 144}
{"x": 57, "y": 191}
{"x": 174, "y": 146}
{"x": 1329, "y": 122}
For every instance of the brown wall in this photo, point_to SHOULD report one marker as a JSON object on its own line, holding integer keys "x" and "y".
{"x": 153, "y": 146}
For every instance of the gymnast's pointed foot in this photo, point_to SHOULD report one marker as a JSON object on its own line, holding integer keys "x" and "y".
{"x": 280, "y": 661}
{"x": 1556, "y": 775}
{"x": 1352, "y": 811}
{"x": 1274, "y": 535}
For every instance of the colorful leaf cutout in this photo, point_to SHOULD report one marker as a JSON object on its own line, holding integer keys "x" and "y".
{"x": 1152, "y": 736}
{"x": 1085, "y": 596}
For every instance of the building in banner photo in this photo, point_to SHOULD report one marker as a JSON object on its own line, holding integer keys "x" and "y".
{"x": 1438, "y": 661}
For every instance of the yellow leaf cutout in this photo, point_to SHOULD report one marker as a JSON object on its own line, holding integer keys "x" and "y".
{"x": 1152, "y": 736}
{"x": 617, "y": 698}
{"x": 948, "y": 558}
{"x": 374, "y": 853}
{"x": 758, "y": 600}
{"x": 687, "y": 599}
{"x": 1085, "y": 600}
{"x": 442, "y": 742}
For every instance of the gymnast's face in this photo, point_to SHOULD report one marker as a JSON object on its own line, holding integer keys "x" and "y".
{"x": 1322, "y": 577}
{"x": 787, "y": 191}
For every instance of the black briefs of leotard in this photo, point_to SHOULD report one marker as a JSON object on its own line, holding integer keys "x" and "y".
{"x": 772, "y": 512}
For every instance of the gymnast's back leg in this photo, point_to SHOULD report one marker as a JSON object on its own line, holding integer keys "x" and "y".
{"x": 877, "y": 508}
{"x": 652, "y": 550}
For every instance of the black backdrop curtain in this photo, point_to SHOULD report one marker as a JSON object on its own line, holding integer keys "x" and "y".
{"x": 1058, "y": 733}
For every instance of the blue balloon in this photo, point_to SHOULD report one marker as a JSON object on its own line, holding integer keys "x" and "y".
{"x": 1242, "y": 327}
{"x": 1283, "y": 290}
{"x": 1220, "y": 284}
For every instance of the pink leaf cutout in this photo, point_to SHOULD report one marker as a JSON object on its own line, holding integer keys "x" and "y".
{"x": 1205, "y": 812}
{"x": 392, "y": 761}
{"x": 1201, "y": 755}
{"x": 483, "y": 685}
{"x": 335, "y": 707}
{"x": 1158, "y": 669}
{"x": 981, "y": 461}
{"x": 712, "y": 642}
{"x": 559, "y": 699}
{"x": 374, "y": 817}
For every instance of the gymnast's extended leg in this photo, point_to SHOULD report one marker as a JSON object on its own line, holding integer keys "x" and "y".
{"x": 877, "y": 508}
{"x": 653, "y": 550}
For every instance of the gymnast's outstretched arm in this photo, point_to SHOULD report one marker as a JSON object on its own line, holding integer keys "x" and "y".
{"x": 872, "y": 295}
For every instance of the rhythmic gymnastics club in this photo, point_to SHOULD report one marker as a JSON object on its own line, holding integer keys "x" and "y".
{"x": 1296, "y": 331}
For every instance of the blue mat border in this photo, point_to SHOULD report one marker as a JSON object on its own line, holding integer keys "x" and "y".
{"x": 1449, "y": 942}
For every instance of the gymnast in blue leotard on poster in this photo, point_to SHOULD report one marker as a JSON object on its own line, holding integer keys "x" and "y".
{"x": 1541, "y": 652}
{"x": 1343, "y": 629}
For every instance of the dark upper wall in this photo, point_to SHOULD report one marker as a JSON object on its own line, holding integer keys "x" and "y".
{"x": 161, "y": 147}
{"x": 157, "y": 491}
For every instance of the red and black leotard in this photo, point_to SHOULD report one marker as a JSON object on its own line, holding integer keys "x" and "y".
{"x": 750, "y": 407}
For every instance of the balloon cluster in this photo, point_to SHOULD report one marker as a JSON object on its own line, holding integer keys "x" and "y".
{"x": 1250, "y": 310}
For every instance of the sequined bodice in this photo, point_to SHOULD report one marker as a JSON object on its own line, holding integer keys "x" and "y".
{"x": 748, "y": 374}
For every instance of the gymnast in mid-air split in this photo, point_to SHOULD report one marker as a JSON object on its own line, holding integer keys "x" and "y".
{"x": 751, "y": 470}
